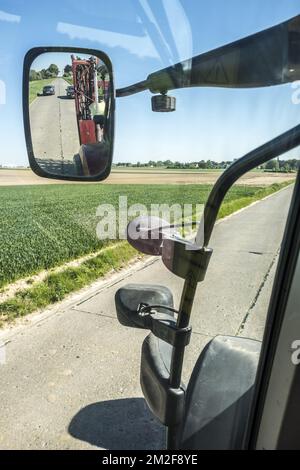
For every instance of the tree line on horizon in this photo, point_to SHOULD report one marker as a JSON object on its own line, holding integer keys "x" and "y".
{"x": 51, "y": 72}
{"x": 273, "y": 165}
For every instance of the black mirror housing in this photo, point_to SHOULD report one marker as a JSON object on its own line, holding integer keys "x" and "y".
{"x": 69, "y": 136}
{"x": 129, "y": 297}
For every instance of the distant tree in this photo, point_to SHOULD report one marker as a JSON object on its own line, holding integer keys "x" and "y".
{"x": 272, "y": 165}
{"x": 48, "y": 74}
{"x": 53, "y": 70}
{"x": 43, "y": 73}
{"x": 33, "y": 75}
{"x": 293, "y": 163}
{"x": 68, "y": 69}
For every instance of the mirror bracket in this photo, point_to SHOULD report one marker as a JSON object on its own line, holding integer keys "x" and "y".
{"x": 163, "y": 326}
{"x": 185, "y": 259}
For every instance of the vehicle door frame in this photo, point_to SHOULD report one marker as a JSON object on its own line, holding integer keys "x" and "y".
{"x": 265, "y": 430}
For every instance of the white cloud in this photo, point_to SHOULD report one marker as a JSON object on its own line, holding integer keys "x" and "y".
{"x": 140, "y": 46}
{"x": 9, "y": 17}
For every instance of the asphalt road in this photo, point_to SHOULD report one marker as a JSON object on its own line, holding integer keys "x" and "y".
{"x": 71, "y": 377}
{"x": 54, "y": 126}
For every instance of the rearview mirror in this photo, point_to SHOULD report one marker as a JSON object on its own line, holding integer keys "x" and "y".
{"x": 68, "y": 106}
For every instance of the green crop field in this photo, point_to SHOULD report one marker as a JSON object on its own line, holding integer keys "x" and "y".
{"x": 45, "y": 226}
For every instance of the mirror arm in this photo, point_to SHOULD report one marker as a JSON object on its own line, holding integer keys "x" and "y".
{"x": 132, "y": 89}
{"x": 267, "y": 58}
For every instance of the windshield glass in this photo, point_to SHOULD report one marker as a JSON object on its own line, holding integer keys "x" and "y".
{"x": 57, "y": 237}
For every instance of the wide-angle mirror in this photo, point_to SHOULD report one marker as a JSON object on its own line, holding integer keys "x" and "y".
{"x": 69, "y": 113}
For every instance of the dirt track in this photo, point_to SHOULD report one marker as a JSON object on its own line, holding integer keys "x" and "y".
{"x": 12, "y": 177}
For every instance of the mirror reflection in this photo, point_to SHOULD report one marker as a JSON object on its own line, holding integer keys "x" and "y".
{"x": 70, "y": 109}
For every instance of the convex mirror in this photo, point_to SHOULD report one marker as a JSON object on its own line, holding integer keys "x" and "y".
{"x": 69, "y": 112}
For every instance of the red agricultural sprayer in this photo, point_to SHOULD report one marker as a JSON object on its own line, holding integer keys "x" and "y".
{"x": 91, "y": 92}
{"x": 86, "y": 85}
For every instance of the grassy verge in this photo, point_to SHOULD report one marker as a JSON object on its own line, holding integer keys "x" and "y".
{"x": 58, "y": 285}
{"x": 229, "y": 207}
{"x": 36, "y": 86}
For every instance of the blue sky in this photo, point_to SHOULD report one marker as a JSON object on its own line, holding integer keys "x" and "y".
{"x": 142, "y": 36}
{"x": 43, "y": 61}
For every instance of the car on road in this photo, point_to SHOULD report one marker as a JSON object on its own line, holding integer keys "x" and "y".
{"x": 48, "y": 90}
{"x": 70, "y": 91}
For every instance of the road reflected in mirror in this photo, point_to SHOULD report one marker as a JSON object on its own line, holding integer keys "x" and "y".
{"x": 70, "y": 110}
